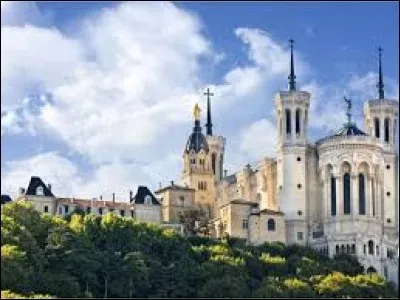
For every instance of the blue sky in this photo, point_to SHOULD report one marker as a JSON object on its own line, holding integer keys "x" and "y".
{"x": 97, "y": 96}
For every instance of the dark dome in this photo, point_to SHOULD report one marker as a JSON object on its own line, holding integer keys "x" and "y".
{"x": 197, "y": 140}
{"x": 350, "y": 129}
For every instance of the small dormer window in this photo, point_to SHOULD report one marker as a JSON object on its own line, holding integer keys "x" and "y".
{"x": 147, "y": 200}
{"x": 39, "y": 191}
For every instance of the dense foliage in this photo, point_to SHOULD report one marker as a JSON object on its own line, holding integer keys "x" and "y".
{"x": 90, "y": 256}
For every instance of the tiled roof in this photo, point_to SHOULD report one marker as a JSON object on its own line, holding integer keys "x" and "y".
{"x": 173, "y": 187}
{"x": 94, "y": 203}
{"x": 34, "y": 183}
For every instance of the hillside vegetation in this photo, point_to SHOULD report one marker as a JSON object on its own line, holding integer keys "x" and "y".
{"x": 90, "y": 256}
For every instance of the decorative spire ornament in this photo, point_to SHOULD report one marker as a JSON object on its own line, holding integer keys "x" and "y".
{"x": 380, "y": 85}
{"x": 348, "y": 113}
{"x": 292, "y": 77}
{"x": 208, "y": 124}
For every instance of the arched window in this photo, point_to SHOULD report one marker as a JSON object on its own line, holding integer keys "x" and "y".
{"x": 365, "y": 249}
{"x": 333, "y": 196}
{"x": 288, "y": 121}
{"x": 371, "y": 247}
{"x": 353, "y": 248}
{"x": 221, "y": 165}
{"x": 377, "y": 250}
{"x": 361, "y": 191}
{"x": 213, "y": 162}
{"x": 377, "y": 129}
{"x": 39, "y": 191}
{"x": 387, "y": 126}
{"x": 348, "y": 249}
{"x": 342, "y": 249}
{"x": 271, "y": 225}
{"x": 337, "y": 249}
{"x": 298, "y": 114}
{"x": 346, "y": 193}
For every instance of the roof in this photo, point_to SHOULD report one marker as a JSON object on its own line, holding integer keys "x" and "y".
{"x": 141, "y": 195}
{"x": 94, "y": 203}
{"x": 34, "y": 183}
{"x": 5, "y": 199}
{"x": 174, "y": 187}
{"x": 349, "y": 129}
{"x": 242, "y": 201}
{"x": 230, "y": 179}
{"x": 271, "y": 212}
{"x": 197, "y": 141}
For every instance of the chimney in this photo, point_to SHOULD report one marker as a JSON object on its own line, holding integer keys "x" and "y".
{"x": 21, "y": 191}
{"x": 159, "y": 185}
{"x": 130, "y": 196}
{"x": 225, "y": 171}
{"x": 113, "y": 197}
{"x": 49, "y": 187}
{"x": 101, "y": 197}
{"x": 172, "y": 183}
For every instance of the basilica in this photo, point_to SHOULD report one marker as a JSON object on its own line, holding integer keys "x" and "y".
{"x": 338, "y": 195}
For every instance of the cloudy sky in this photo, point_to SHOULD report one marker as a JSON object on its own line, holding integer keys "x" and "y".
{"x": 97, "y": 98}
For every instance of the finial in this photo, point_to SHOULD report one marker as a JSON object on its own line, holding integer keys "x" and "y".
{"x": 196, "y": 112}
{"x": 292, "y": 77}
{"x": 380, "y": 84}
{"x": 348, "y": 113}
{"x": 209, "y": 124}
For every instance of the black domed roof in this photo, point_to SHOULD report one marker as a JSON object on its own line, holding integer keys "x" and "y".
{"x": 197, "y": 140}
{"x": 350, "y": 129}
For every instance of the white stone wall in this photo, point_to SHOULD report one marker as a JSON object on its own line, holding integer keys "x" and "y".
{"x": 148, "y": 213}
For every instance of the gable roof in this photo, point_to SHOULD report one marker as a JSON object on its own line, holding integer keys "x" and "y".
{"x": 34, "y": 183}
{"x": 141, "y": 193}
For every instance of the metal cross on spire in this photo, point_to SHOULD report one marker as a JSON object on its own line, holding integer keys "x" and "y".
{"x": 208, "y": 124}
{"x": 380, "y": 84}
{"x": 292, "y": 77}
{"x": 348, "y": 113}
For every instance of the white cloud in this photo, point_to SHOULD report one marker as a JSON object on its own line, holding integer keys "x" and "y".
{"x": 259, "y": 140}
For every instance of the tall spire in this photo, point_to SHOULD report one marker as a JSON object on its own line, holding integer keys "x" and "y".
{"x": 208, "y": 124}
{"x": 380, "y": 84}
{"x": 292, "y": 77}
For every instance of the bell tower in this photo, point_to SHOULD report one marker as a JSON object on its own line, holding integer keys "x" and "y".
{"x": 292, "y": 177}
{"x": 197, "y": 166}
{"x": 216, "y": 143}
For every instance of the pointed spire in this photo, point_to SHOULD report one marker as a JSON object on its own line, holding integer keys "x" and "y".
{"x": 380, "y": 84}
{"x": 208, "y": 124}
{"x": 292, "y": 77}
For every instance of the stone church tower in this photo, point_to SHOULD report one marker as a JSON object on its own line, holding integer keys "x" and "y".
{"x": 292, "y": 172}
{"x": 198, "y": 172}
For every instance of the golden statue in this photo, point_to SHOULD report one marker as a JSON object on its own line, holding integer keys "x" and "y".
{"x": 196, "y": 112}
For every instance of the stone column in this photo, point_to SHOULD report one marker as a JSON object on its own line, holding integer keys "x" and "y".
{"x": 325, "y": 197}
{"x": 293, "y": 120}
{"x": 355, "y": 195}
{"x": 378, "y": 197}
{"x": 369, "y": 197}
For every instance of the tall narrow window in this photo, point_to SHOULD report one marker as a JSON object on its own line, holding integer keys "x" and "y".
{"x": 213, "y": 162}
{"x": 387, "y": 126}
{"x": 288, "y": 122}
{"x": 221, "y": 165}
{"x": 298, "y": 114}
{"x": 361, "y": 192}
{"x": 346, "y": 194}
{"x": 377, "y": 129}
{"x": 371, "y": 247}
{"x": 333, "y": 196}
{"x": 245, "y": 224}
